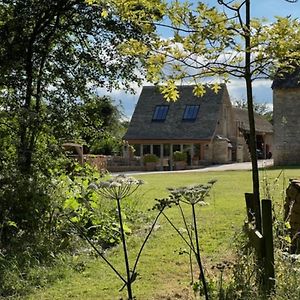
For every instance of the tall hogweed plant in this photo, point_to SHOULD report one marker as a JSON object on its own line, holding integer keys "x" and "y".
{"x": 192, "y": 197}
{"x": 117, "y": 189}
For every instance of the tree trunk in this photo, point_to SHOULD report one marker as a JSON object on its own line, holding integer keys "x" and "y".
{"x": 24, "y": 151}
{"x": 252, "y": 139}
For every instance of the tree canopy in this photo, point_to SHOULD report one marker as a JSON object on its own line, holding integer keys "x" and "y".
{"x": 55, "y": 54}
{"x": 211, "y": 44}
{"x": 208, "y": 43}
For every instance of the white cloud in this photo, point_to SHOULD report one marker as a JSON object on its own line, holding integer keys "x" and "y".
{"x": 262, "y": 91}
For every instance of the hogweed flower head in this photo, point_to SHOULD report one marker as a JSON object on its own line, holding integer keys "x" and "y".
{"x": 163, "y": 203}
{"x": 118, "y": 187}
{"x": 192, "y": 194}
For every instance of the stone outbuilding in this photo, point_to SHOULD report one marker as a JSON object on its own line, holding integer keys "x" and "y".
{"x": 286, "y": 107}
{"x": 264, "y": 135}
{"x": 208, "y": 128}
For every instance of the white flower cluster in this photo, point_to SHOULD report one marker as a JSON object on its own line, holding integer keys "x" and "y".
{"x": 118, "y": 187}
{"x": 193, "y": 194}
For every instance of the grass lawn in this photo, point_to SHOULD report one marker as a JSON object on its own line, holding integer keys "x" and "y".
{"x": 163, "y": 273}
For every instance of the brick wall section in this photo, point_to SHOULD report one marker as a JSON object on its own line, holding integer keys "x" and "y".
{"x": 286, "y": 102}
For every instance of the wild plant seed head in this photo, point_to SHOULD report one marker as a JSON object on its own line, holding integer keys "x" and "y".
{"x": 117, "y": 187}
{"x": 192, "y": 194}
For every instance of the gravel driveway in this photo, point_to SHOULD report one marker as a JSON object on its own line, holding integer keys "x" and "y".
{"x": 226, "y": 167}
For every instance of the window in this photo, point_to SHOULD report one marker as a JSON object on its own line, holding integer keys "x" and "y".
{"x": 156, "y": 150}
{"x": 190, "y": 112}
{"x": 160, "y": 113}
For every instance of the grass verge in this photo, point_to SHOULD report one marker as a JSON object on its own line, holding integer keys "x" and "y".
{"x": 163, "y": 273}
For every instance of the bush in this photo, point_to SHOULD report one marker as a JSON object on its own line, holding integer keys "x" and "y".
{"x": 179, "y": 156}
{"x": 150, "y": 158}
{"x": 34, "y": 228}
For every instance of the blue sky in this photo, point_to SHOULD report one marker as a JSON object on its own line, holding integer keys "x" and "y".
{"x": 269, "y": 8}
{"x": 262, "y": 89}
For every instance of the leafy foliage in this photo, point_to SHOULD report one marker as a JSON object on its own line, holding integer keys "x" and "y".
{"x": 259, "y": 108}
{"x": 116, "y": 190}
{"x": 34, "y": 222}
{"x": 208, "y": 43}
{"x": 96, "y": 123}
{"x": 180, "y": 156}
{"x": 54, "y": 56}
{"x": 150, "y": 158}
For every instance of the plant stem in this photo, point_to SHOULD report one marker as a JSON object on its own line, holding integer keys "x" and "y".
{"x": 128, "y": 282}
{"x": 97, "y": 251}
{"x": 198, "y": 257}
{"x": 186, "y": 226}
{"x": 180, "y": 234}
{"x": 145, "y": 241}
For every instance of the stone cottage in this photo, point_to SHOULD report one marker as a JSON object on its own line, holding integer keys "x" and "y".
{"x": 286, "y": 100}
{"x": 208, "y": 128}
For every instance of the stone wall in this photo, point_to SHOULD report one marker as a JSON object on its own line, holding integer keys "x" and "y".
{"x": 286, "y": 149}
{"x": 225, "y": 126}
{"x": 221, "y": 152}
{"x": 208, "y": 153}
{"x": 97, "y": 161}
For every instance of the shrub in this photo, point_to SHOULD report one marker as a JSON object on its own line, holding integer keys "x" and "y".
{"x": 34, "y": 229}
{"x": 150, "y": 158}
{"x": 179, "y": 156}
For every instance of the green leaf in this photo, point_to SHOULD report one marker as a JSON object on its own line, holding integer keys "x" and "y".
{"x": 170, "y": 91}
{"x": 104, "y": 13}
{"x": 74, "y": 219}
{"x": 71, "y": 203}
{"x": 12, "y": 224}
{"x": 288, "y": 239}
{"x": 287, "y": 225}
{"x": 199, "y": 90}
{"x": 216, "y": 87}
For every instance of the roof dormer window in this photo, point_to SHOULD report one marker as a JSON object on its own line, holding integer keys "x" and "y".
{"x": 190, "y": 112}
{"x": 160, "y": 113}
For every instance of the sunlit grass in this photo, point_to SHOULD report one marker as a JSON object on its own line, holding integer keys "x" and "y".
{"x": 162, "y": 271}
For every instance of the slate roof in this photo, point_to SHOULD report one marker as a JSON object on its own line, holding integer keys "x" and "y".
{"x": 173, "y": 128}
{"x": 289, "y": 80}
{"x": 261, "y": 124}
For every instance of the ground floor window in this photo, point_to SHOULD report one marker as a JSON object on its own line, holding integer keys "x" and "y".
{"x": 197, "y": 151}
{"x": 156, "y": 150}
{"x": 166, "y": 149}
{"x": 137, "y": 150}
{"x": 176, "y": 148}
{"x": 146, "y": 149}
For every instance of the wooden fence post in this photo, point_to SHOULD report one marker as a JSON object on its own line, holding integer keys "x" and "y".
{"x": 250, "y": 206}
{"x": 262, "y": 240}
{"x": 255, "y": 236}
{"x": 253, "y": 208}
{"x": 269, "y": 272}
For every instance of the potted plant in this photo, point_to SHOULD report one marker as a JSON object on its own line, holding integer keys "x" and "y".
{"x": 179, "y": 160}
{"x": 195, "y": 160}
{"x": 150, "y": 161}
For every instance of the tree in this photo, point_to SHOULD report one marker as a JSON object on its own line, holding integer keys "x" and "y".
{"x": 99, "y": 125}
{"x": 54, "y": 54}
{"x": 212, "y": 44}
{"x": 259, "y": 108}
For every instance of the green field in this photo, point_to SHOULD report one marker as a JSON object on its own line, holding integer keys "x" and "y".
{"x": 163, "y": 273}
